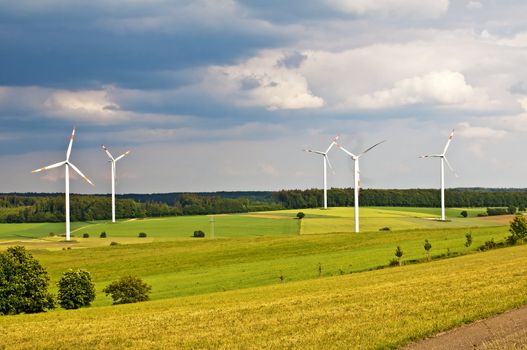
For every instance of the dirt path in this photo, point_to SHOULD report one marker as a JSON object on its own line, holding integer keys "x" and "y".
{"x": 504, "y": 331}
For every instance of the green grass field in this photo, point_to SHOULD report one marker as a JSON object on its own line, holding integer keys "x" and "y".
{"x": 257, "y": 264}
{"x": 370, "y": 310}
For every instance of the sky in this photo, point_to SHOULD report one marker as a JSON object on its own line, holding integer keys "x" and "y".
{"x": 213, "y": 95}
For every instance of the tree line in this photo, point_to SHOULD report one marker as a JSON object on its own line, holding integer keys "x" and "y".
{"x": 50, "y": 208}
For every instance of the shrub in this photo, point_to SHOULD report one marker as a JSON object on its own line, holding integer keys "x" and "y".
{"x": 76, "y": 289}
{"x": 51, "y": 234}
{"x": 521, "y": 208}
{"x": 128, "y": 289}
{"x": 518, "y": 229}
{"x": 427, "y": 247}
{"x": 23, "y": 283}
{"x": 464, "y": 213}
{"x": 114, "y": 243}
{"x": 142, "y": 235}
{"x": 399, "y": 254}
{"x": 385, "y": 228}
{"x": 103, "y": 234}
{"x": 199, "y": 234}
{"x": 512, "y": 209}
{"x": 468, "y": 242}
{"x": 300, "y": 215}
{"x": 497, "y": 211}
{"x": 488, "y": 245}
{"x": 85, "y": 235}
{"x": 394, "y": 262}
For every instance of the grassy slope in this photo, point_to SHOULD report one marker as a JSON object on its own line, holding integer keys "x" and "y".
{"x": 377, "y": 309}
{"x": 202, "y": 266}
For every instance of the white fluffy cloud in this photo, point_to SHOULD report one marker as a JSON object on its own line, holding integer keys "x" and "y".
{"x": 465, "y": 129}
{"x": 263, "y": 80}
{"x": 420, "y": 8}
{"x": 435, "y": 88}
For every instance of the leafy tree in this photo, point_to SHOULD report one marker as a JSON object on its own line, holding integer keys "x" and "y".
{"x": 468, "y": 242}
{"x": 103, "y": 234}
{"x": 511, "y": 209}
{"x": 76, "y": 289}
{"x": 128, "y": 289}
{"x": 142, "y": 235}
{"x": 23, "y": 283}
{"x": 300, "y": 215}
{"x": 427, "y": 247}
{"x": 464, "y": 213}
{"x": 399, "y": 254}
{"x": 518, "y": 229}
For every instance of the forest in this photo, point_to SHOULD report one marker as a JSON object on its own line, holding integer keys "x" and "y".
{"x": 42, "y": 207}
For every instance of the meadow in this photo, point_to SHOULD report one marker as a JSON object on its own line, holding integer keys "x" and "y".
{"x": 371, "y": 310}
{"x": 254, "y": 258}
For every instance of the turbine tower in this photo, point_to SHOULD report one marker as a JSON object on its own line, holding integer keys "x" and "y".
{"x": 113, "y": 161}
{"x": 356, "y": 178}
{"x": 326, "y": 161}
{"x": 444, "y": 160}
{"x": 67, "y": 164}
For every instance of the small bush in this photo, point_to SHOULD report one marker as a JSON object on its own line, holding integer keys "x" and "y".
{"x": 468, "y": 242}
{"x": 51, "y": 234}
{"x": 142, "y": 235}
{"x": 518, "y": 230}
{"x": 385, "y": 228}
{"x": 103, "y": 234}
{"x": 198, "y": 234}
{"x": 399, "y": 254}
{"x": 85, "y": 235}
{"x": 512, "y": 209}
{"x": 488, "y": 245}
{"x": 464, "y": 213}
{"x": 300, "y": 215}
{"x": 393, "y": 262}
{"x": 114, "y": 243}
{"x": 128, "y": 289}
{"x": 76, "y": 289}
{"x": 482, "y": 215}
{"x": 497, "y": 211}
{"x": 521, "y": 208}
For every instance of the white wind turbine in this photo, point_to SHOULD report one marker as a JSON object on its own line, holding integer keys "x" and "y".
{"x": 356, "y": 177}
{"x": 443, "y": 158}
{"x": 113, "y": 161}
{"x": 67, "y": 164}
{"x": 326, "y": 160}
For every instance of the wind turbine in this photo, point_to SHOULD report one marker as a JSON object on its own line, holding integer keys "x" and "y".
{"x": 67, "y": 164}
{"x": 443, "y": 158}
{"x": 326, "y": 160}
{"x": 356, "y": 177}
{"x": 113, "y": 161}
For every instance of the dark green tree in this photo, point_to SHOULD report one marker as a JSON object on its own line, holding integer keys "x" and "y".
{"x": 518, "y": 229}
{"x": 300, "y": 215}
{"x": 23, "y": 283}
{"x": 128, "y": 289}
{"x": 464, "y": 213}
{"x": 76, "y": 289}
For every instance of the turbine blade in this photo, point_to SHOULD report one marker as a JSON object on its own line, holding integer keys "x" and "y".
{"x": 450, "y": 167}
{"x": 80, "y": 173}
{"x": 317, "y": 152}
{"x": 71, "y": 144}
{"x": 329, "y": 163}
{"x": 333, "y": 142}
{"x": 122, "y": 155}
{"x": 56, "y": 165}
{"x": 448, "y": 142}
{"x": 107, "y": 152}
{"x": 372, "y": 147}
{"x": 346, "y": 151}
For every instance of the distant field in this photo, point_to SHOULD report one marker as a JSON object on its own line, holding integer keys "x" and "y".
{"x": 396, "y": 218}
{"x": 370, "y": 310}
